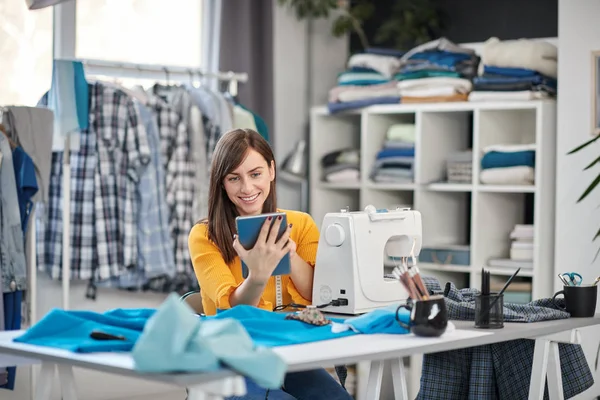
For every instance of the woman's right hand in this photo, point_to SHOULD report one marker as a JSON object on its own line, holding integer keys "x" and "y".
{"x": 264, "y": 257}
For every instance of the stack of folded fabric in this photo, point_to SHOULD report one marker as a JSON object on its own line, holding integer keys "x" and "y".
{"x": 395, "y": 161}
{"x": 366, "y": 81}
{"x": 437, "y": 71}
{"x": 521, "y": 247}
{"x": 516, "y": 70}
{"x": 341, "y": 166}
{"x": 508, "y": 165}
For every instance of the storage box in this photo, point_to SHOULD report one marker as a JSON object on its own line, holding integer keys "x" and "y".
{"x": 446, "y": 255}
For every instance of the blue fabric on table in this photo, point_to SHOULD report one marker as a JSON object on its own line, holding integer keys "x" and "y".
{"x": 382, "y": 320}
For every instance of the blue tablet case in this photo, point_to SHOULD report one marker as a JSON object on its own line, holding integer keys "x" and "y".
{"x": 248, "y": 230}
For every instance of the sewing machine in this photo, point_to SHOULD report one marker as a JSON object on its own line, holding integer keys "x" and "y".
{"x": 353, "y": 248}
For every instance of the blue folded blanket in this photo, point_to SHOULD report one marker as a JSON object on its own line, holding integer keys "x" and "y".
{"x": 496, "y": 159}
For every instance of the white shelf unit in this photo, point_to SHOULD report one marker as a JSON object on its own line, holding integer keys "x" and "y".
{"x": 481, "y": 216}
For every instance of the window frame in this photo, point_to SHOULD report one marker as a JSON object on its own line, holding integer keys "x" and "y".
{"x": 65, "y": 36}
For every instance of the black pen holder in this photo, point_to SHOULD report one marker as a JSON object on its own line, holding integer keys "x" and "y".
{"x": 489, "y": 311}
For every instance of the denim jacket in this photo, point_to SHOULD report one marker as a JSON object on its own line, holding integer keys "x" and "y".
{"x": 12, "y": 245}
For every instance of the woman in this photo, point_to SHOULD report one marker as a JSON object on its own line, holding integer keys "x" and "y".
{"x": 242, "y": 182}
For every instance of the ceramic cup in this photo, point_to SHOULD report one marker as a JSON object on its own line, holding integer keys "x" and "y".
{"x": 428, "y": 318}
{"x": 580, "y": 301}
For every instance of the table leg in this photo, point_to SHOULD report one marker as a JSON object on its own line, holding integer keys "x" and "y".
{"x": 555, "y": 383}
{"x": 375, "y": 377}
{"x": 67, "y": 382}
{"x": 43, "y": 388}
{"x": 399, "y": 379}
{"x": 539, "y": 369}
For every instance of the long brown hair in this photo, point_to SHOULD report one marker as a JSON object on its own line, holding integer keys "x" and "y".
{"x": 231, "y": 150}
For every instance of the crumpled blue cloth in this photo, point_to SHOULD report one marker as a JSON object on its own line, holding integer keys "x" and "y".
{"x": 381, "y": 320}
{"x": 170, "y": 339}
{"x": 175, "y": 339}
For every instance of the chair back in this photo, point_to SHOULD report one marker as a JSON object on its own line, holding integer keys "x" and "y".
{"x": 194, "y": 300}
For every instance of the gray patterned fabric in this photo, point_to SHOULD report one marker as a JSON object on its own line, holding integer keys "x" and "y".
{"x": 501, "y": 370}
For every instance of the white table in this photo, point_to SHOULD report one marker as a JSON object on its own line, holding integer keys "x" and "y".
{"x": 381, "y": 350}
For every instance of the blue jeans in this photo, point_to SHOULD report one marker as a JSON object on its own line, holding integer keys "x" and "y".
{"x": 316, "y": 384}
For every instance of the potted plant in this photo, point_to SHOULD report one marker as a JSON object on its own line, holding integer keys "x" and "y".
{"x": 410, "y": 22}
{"x": 594, "y": 183}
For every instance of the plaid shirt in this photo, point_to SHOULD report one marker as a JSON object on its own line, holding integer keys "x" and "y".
{"x": 501, "y": 370}
{"x": 179, "y": 170}
{"x": 104, "y": 176}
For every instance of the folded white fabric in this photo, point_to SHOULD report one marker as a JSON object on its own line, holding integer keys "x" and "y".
{"x": 385, "y": 65}
{"x": 521, "y": 95}
{"x": 435, "y": 86}
{"x": 537, "y": 55}
{"x": 520, "y": 175}
{"x": 509, "y": 148}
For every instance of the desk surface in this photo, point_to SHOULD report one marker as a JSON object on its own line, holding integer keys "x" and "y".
{"x": 341, "y": 351}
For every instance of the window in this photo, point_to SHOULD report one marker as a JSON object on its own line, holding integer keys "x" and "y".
{"x": 140, "y": 31}
{"x": 25, "y": 53}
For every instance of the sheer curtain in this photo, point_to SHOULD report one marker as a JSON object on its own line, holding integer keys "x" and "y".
{"x": 247, "y": 46}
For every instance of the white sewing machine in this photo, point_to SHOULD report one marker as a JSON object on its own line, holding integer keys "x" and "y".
{"x": 350, "y": 259}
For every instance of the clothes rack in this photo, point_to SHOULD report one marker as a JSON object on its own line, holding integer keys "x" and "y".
{"x": 124, "y": 70}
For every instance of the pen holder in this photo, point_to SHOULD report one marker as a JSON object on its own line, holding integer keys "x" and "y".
{"x": 428, "y": 318}
{"x": 580, "y": 301}
{"x": 489, "y": 311}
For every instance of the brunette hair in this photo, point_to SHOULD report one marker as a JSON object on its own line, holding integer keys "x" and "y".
{"x": 231, "y": 150}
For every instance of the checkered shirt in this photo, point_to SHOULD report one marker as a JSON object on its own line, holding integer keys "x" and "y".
{"x": 501, "y": 370}
{"x": 179, "y": 177}
{"x": 105, "y": 171}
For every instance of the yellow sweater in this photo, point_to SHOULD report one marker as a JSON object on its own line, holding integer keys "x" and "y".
{"x": 218, "y": 280}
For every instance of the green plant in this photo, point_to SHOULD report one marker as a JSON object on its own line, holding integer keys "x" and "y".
{"x": 411, "y": 22}
{"x": 594, "y": 183}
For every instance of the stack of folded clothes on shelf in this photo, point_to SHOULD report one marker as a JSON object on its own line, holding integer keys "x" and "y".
{"x": 395, "y": 161}
{"x": 341, "y": 166}
{"x": 521, "y": 246}
{"x": 508, "y": 165}
{"x": 516, "y": 70}
{"x": 366, "y": 81}
{"x": 437, "y": 71}
{"x": 521, "y": 250}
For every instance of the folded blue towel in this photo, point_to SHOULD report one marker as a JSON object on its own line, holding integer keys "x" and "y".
{"x": 496, "y": 159}
{"x": 395, "y": 152}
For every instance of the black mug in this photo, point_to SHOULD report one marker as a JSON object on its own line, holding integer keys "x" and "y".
{"x": 580, "y": 301}
{"x": 428, "y": 318}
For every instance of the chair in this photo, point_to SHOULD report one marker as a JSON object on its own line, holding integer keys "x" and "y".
{"x": 194, "y": 300}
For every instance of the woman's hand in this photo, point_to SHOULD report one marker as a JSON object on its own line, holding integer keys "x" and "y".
{"x": 264, "y": 257}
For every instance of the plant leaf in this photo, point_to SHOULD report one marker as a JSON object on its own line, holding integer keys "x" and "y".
{"x": 596, "y": 161}
{"x": 576, "y": 149}
{"x": 590, "y": 188}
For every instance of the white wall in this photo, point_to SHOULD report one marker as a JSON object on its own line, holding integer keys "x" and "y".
{"x": 576, "y": 224}
{"x": 307, "y": 59}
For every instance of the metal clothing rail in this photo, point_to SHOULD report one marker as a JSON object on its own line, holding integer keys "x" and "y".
{"x": 123, "y": 70}
{"x": 153, "y": 71}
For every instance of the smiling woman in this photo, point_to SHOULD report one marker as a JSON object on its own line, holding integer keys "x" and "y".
{"x": 242, "y": 182}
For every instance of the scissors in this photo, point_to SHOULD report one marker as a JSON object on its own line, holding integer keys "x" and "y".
{"x": 571, "y": 278}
